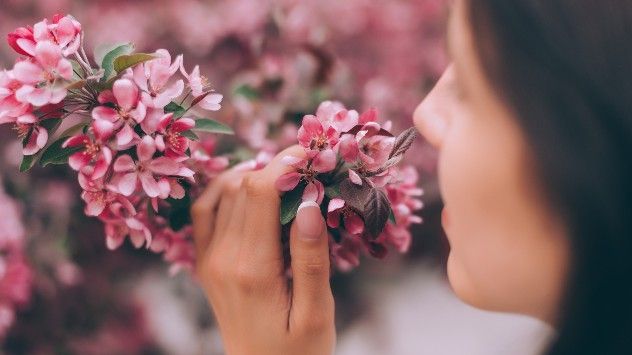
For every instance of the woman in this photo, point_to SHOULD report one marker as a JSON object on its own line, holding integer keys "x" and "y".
{"x": 533, "y": 121}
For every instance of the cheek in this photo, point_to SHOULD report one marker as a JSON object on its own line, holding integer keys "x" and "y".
{"x": 502, "y": 253}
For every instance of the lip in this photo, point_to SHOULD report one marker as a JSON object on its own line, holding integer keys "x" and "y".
{"x": 445, "y": 218}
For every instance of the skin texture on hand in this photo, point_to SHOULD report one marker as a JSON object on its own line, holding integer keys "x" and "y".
{"x": 240, "y": 266}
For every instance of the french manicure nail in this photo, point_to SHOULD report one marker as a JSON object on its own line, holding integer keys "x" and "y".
{"x": 309, "y": 221}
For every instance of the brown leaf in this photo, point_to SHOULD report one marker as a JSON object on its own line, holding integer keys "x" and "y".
{"x": 376, "y": 212}
{"x": 403, "y": 142}
{"x": 355, "y": 195}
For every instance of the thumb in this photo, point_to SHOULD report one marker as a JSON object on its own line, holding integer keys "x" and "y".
{"x": 309, "y": 249}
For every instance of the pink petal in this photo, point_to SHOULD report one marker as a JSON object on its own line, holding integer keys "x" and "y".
{"x": 160, "y": 142}
{"x": 139, "y": 113}
{"x": 211, "y": 102}
{"x": 39, "y": 96}
{"x": 78, "y": 160}
{"x": 64, "y": 68}
{"x": 183, "y": 124}
{"x": 139, "y": 77}
{"x": 47, "y": 54}
{"x": 124, "y": 136}
{"x": 164, "y": 122}
{"x": 314, "y": 191}
{"x": 335, "y": 204}
{"x": 164, "y": 166}
{"x": 146, "y": 149}
{"x": 126, "y": 94}
{"x": 165, "y": 188}
{"x": 345, "y": 120}
{"x": 102, "y": 129}
{"x": 95, "y": 207}
{"x": 177, "y": 191}
{"x": 169, "y": 93}
{"x": 355, "y": 178}
{"x": 348, "y": 148}
{"x": 127, "y": 184}
{"x": 288, "y": 181}
{"x": 149, "y": 184}
{"x": 325, "y": 161}
{"x": 27, "y": 72}
{"x": 75, "y": 141}
{"x": 312, "y": 125}
{"x": 368, "y": 116}
{"x": 353, "y": 223}
{"x": 114, "y": 241}
{"x": 105, "y": 113}
{"x": 124, "y": 163}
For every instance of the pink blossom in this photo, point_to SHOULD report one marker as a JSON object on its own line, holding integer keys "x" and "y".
{"x": 338, "y": 209}
{"x": 22, "y": 41}
{"x": 314, "y": 190}
{"x": 95, "y": 157}
{"x": 64, "y": 31}
{"x": 152, "y": 78}
{"x": 170, "y": 139}
{"x": 368, "y": 149}
{"x": 121, "y": 219}
{"x": 341, "y": 118}
{"x": 145, "y": 170}
{"x": 204, "y": 159}
{"x": 41, "y": 76}
{"x": 319, "y": 138}
{"x": 36, "y": 136}
{"x": 10, "y": 107}
{"x": 200, "y": 87}
{"x": 128, "y": 112}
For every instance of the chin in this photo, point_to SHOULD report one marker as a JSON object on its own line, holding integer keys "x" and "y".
{"x": 461, "y": 284}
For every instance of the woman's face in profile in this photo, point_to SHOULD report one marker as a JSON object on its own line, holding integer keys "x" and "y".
{"x": 508, "y": 249}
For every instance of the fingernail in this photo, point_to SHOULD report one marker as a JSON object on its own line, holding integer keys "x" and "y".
{"x": 309, "y": 221}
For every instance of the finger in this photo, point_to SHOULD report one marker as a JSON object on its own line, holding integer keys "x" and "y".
{"x": 203, "y": 212}
{"x": 261, "y": 243}
{"x": 228, "y": 198}
{"x": 309, "y": 249}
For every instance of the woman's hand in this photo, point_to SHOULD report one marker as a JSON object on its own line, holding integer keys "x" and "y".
{"x": 240, "y": 265}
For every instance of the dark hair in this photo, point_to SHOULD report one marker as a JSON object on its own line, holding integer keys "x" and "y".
{"x": 565, "y": 68}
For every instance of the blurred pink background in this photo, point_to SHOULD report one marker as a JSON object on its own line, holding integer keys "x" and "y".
{"x": 62, "y": 292}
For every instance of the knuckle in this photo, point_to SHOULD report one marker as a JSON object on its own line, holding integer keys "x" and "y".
{"x": 313, "y": 266}
{"x": 255, "y": 185}
{"x": 214, "y": 270}
{"x": 199, "y": 209}
{"x": 246, "y": 278}
{"x": 316, "y": 324}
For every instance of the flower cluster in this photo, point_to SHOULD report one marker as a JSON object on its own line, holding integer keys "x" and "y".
{"x": 15, "y": 272}
{"x": 132, "y": 144}
{"x": 350, "y": 170}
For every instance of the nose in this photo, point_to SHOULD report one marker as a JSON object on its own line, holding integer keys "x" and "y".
{"x": 432, "y": 115}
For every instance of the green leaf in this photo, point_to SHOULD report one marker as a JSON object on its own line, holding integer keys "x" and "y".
{"x": 100, "y": 51}
{"x": 191, "y": 135}
{"x": 208, "y": 125}
{"x": 27, "y": 162}
{"x": 72, "y": 130}
{"x": 178, "y": 111}
{"x": 108, "y": 59}
{"x": 77, "y": 70}
{"x": 51, "y": 125}
{"x": 391, "y": 217}
{"x": 129, "y": 60}
{"x": 56, "y": 154}
{"x": 246, "y": 91}
{"x": 290, "y": 202}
